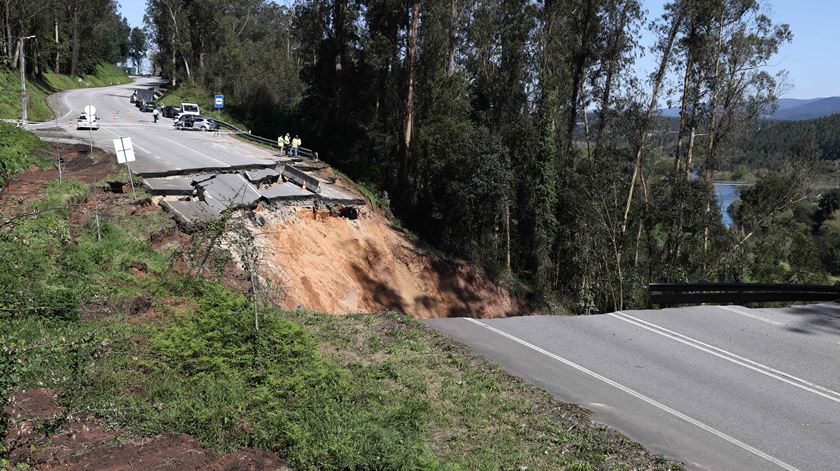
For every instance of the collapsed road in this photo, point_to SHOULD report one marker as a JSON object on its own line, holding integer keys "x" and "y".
{"x": 194, "y": 175}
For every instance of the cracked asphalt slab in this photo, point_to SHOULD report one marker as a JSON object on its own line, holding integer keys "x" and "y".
{"x": 160, "y": 149}
{"x": 716, "y": 387}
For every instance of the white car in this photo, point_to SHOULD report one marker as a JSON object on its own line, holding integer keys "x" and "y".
{"x": 87, "y": 122}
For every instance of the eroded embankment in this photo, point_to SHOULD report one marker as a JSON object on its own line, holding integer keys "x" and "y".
{"x": 340, "y": 265}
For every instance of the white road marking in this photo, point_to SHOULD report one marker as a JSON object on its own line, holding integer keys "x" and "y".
{"x": 69, "y": 107}
{"x": 800, "y": 383}
{"x": 641, "y": 397}
{"x": 748, "y": 314}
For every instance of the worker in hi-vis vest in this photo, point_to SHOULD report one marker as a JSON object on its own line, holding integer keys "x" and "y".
{"x": 296, "y": 142}
{"x": 280, "y": 144}
{"x": 287, "y": 140}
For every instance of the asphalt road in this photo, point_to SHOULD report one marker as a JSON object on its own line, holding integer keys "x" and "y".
{"x": 160, "y": 149}
{"x": 719, "y": 388}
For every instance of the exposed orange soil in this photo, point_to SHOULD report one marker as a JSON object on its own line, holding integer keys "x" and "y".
{"x": 337, "y": 265}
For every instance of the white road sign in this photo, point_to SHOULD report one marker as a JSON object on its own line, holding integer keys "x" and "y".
{"x": 125, "y": 152}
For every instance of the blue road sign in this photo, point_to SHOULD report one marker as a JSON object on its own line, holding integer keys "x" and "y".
{"x": 220, "y": 101}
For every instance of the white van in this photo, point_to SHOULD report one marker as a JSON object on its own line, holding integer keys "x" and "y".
{"x": 190, "y": 108}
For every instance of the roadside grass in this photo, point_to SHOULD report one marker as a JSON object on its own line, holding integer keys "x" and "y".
{"x": 19, "y": 151}
{"x": 39, "y": 110}
{"x": 368, "y": 391}
{"x": 477, "y": 416}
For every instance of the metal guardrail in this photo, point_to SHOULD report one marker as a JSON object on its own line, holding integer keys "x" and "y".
{"x": 669, "y": 294}
{"x": 303, "y": 151}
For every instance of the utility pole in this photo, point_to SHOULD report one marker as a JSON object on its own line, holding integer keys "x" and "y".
{"x": 23, "y": 115}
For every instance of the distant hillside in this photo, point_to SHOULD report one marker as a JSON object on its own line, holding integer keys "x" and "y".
{"x": 791, "y": 109}
{"x": 773, "y": 142}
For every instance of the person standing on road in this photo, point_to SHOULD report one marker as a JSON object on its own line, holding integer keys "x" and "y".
{"x": 287, "y": 141}
{"x": 296, "y": 142}
{"x": 280, "y": 144}
{"x": 155, "y": 114}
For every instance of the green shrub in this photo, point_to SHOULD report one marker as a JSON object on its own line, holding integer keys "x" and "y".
{"x": 274, "y": 384}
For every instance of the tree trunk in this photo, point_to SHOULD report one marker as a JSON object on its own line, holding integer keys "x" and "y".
{"x": 586, "y": 128}
{"x": 507, "y": 236}
{"x": 683, "y": 117}
{"x": 643, "y": 131}
{"x": 173, "y": 60}
{"x": 9, "y": 29}
{"x": 340, "y": 8}
{"x": 577, "y": 80}
{"x": 75, "y": 44}
{"x": 57, "y": 50}
{"x": 409, "y": 99}
{"x": 187, "y": 69}
{"x": 711, "y": 158}
{"x": 453, "y": 37}
{"x": 615, "y": 51}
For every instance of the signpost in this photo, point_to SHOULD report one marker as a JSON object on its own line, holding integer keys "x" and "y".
{"x": 90, "y": 114}
{"x": 125, "y": 155}
{"x": 220, "y": 101}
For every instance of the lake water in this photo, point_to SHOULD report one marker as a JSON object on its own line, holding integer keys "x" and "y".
{"x": 726, "y": 195}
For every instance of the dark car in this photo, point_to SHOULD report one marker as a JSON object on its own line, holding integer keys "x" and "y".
{"x": 147, "y": 106}
{"x": 170, "y": 111}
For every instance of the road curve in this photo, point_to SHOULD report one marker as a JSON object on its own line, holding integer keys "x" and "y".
{"x": 717, "y": 388}
{"x": 160, "y": 149}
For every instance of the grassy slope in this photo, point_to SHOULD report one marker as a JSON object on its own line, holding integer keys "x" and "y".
{"x": 106, "y": 74}
{"x": 19, "y": 150}
{"x": 360, "y": 392}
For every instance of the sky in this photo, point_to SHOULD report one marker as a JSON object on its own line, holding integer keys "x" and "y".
{"x": 810, "y": 60}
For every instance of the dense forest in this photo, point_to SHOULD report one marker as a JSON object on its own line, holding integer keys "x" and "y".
{"x": 516, "y": 134}
{"x": 768, "y": 143}
{"x": 70, "y": 36}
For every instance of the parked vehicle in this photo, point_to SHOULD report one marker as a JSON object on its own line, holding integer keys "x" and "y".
{"x": 202, "y": 123}
{"x": 143, "y": 96}
{"x": 190, "y": 108}
{"x": 170, "y": 111}
{"x": 196, "y": 123}
{"x": 87, "y": 122}
{"x": 183, "y": 121}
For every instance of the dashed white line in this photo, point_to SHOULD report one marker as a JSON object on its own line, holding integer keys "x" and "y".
{"x": 748, "y": 314}
{"x": 642, "y": 397}
{"x": 144, "y": 150}
{"x": 795, "y": 381}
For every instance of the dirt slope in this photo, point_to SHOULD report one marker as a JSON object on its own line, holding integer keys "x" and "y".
{"x": 339, "y": 265}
